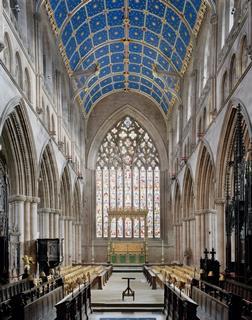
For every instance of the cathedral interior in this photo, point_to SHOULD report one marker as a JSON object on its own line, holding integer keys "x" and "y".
{"x": 125, "y": 154}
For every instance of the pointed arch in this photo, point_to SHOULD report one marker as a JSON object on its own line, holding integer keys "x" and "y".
{"x": 225, "y": 143}
{"x": 142, "y": 120}
{"x": 21, "y": 155}
{"x": 48, "y": 179}
{"x": 188, "y": 194}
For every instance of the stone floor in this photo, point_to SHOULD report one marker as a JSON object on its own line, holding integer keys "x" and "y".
{"x": 112, "y": 292}
{"x": 135, "y": 315}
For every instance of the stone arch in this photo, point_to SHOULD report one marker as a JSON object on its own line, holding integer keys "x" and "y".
{"x": 205, "y": 202}
{"x": 20, "y": 154}
{"x": 48, "y": 179}
{"x": 225, "y": 143}
{"x": 142, "y": 120}
{"x": 205, "y": 174}
{"x": 20, "y": 151}
{"x": 188, "y": 194}
{"x": 188, "y": 222}
{"x": 48, "y": 191}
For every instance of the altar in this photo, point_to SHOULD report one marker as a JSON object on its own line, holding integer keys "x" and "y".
{"x": 129, "y": 243}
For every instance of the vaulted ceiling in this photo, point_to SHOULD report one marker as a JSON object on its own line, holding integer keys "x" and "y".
{"x": 142, "y": 46}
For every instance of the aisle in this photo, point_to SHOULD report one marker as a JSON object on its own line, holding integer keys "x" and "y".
{"x": 112, "y": 292}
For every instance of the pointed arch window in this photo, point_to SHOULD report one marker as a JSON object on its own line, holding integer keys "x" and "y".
{"x": 128, "y": 175}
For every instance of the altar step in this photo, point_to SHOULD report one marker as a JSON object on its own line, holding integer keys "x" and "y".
{"x": 127, "y": 307}
{"x": 127, "y": 268}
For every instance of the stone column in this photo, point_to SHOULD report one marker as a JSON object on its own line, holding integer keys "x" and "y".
{"x": 46, "y": 224}
{"x": 27, "y": 220}
{"x": 34, "y": 218}
{"x": 70, "y": 240}
{"x": 17, "y": 206}
{"x": 74, "y": 242}
{"x": 176, "y": 242}
{"x": 66, "y": 241}
{"x": 181, "y": 243}
{"x": 51, "y": 227}
{"x": 202, "y": 231}
{"x": 183, "y": 237}
{"x": 220, "y": 232}
{"x": 56, "y": 224}
{"x": 79, "y": 244}
{"x": 198, "y": 238}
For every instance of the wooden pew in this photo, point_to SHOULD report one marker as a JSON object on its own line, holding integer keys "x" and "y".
{"x": 177, "y": 305}
{"x": 102, "y": 277}
{"x": 151, "y": 277}
{"x": 8, "y": 291}
{"x": 238, "y": 288}
{"x": 220, "y": 304}
{"x": 76, "y": 305}
{"x": 38, "y": 302}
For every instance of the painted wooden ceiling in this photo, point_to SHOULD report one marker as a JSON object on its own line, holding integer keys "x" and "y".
{"x": 123, "y": 41}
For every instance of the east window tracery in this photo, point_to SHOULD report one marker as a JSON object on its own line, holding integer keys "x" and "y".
{"x": 128, "y": 175}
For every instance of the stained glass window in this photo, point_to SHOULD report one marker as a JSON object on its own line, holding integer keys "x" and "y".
{"x": 128, "y": 176}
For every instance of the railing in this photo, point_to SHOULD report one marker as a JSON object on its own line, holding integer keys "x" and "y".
{"x": 241, "y": 289}
{"x": 177, "y": 305}
{"x": 37, "y": 302}
{"x": 221, "y": 304}
{"x": 76, "y": 305}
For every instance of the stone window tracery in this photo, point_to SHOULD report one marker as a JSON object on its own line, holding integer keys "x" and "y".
{"x": 127, "y": 175}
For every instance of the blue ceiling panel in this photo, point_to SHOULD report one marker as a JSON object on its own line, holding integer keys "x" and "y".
{"x": 137, "y": 4}
{"x": 118, "y": 78}
{"x": 119, "y": 85}
{"x": 98, "y": 23}
{"x": 78, "y": 18}
{"x": 124, "y": 40}
{"x": 114, "y": 4}
{"x": 115, "y": 18}
{"x": 60, "y": 13}
{"x": 153, "y": 23}
{"x": 107, "y": 89}
{"x": 94, "y": 7}
{"x": 71, "y": 4}
{"x": 136, "y": 18}
{"x": 190, "y": 14}
{"x": 116, "y": 33}
{"x": 116, "y": 47}
{"x": 100, "y": 37}
{"x": 156, "y": 7}
{"x": 82, "y": 33}
{"x": 67, "y": 33}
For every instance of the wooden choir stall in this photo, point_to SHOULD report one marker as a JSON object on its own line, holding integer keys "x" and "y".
{"x": 128, "y": 236}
